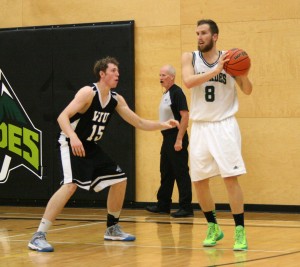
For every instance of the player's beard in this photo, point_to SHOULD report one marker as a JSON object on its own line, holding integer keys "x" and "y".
{"x": 207, "y": 47}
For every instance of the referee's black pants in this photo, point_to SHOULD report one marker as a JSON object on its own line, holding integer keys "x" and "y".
{"x": 174, "y": 167}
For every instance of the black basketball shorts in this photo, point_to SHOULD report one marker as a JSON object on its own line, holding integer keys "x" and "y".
{"x": 95, "y": 171}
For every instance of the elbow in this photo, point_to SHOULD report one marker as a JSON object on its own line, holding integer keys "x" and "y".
{"x": 58, "y": 118}
{"x": 248, "y": 91}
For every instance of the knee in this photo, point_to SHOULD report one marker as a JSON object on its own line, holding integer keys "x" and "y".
{"x": 231, "y": 183}
{"x": 201, "y": 185}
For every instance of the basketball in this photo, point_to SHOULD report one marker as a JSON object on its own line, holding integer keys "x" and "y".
{"x": 239, "y": 62}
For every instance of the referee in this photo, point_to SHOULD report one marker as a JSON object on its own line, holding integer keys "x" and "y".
{"x": 174, "y": 149}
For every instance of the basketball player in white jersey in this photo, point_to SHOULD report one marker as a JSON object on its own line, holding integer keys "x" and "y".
{"x": 82, "y": 161}
{"x": 215, "y": 143}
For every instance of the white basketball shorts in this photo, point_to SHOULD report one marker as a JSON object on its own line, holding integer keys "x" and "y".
{"x": 215, "y": 149}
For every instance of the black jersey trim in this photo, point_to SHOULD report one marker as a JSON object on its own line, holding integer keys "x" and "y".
{"x": 194, "y": 59}
{"x": 206, "y": 63}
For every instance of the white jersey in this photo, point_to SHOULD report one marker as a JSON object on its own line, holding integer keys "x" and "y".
{"x": 216, "y": 99}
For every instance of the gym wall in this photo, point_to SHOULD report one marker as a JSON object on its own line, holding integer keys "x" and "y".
{"x": 269, "y": 118}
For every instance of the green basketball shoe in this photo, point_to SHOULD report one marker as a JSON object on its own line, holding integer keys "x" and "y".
{"x": 214, "y": 234}
{"x": 240, "y": 238}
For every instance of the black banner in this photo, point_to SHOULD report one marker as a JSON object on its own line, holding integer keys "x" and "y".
{"x": 41, "y": 68}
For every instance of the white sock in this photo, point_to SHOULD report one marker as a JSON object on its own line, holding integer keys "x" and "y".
{"x": 116, "y": 214}
{"x": 44, "y": 225}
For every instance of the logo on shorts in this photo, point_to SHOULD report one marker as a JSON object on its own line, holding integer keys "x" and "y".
{"x": 20, "y": 141}
{"x": 118, "y": 169}
{"x": 235, "y": 167}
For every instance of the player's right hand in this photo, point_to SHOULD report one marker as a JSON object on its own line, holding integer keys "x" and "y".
{"x": 77, "y": 147}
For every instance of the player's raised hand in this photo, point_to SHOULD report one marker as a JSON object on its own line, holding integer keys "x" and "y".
{"x": 223, "y": 59}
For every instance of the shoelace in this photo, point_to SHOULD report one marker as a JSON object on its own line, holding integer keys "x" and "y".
{"x": 40, "y": 236}
{"x": 117, "y": 229}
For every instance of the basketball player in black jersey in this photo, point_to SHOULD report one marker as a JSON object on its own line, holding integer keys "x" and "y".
{"x": 83, "y": 163}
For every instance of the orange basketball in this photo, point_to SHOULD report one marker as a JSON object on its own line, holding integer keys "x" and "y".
{"x": 239, "y": 62}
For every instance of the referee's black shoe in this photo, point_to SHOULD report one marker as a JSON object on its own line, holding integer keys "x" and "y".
{"x": 181, "y": 213}
{"x": 156, "y": 209}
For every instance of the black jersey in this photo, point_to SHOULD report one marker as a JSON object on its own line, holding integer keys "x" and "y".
{"x": 91, "y": 125}
{"x": 172, "y": 102}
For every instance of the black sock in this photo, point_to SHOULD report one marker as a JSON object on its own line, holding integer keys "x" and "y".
{"x": 111, "y": 220}
{"x": 210, "y": 216}
{"x": 238, "y": 219}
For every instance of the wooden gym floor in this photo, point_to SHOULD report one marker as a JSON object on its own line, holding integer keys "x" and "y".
{"x": 77, "y": 237}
